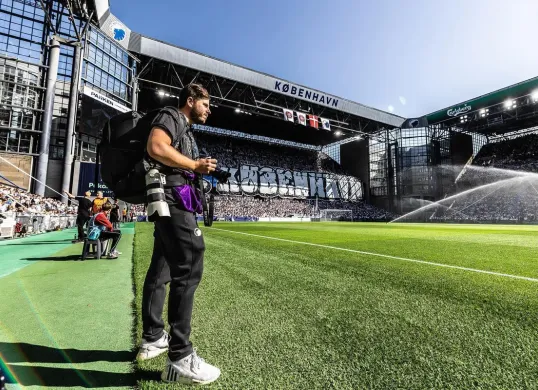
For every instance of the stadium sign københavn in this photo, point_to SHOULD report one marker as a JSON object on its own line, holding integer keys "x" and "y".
{"x": 305, "y": 93}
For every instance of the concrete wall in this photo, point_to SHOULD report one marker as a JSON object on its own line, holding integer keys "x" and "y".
{"x": 24, "y": 163}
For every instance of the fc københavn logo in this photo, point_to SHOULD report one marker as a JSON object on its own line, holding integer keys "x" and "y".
{"x": 118, "y": 31}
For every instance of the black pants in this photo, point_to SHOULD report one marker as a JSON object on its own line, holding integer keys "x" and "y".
{"x": 81, "y": 221}
{"x": 178, "y": 259}
{"x": 115, "y": 236}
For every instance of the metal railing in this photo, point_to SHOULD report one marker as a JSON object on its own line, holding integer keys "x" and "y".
{"x": 18, "y": 224}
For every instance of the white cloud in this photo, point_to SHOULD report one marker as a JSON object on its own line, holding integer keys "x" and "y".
{"x": 403, "y": 100}
{"x": 391, "y": 108}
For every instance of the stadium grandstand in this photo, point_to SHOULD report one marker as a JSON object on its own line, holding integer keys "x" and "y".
{"x": 66, "y": 67}
{"x": 281, "y": 305}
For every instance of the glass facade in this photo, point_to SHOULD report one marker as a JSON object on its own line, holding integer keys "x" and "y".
{"x": 107, "y": 68}
{"x": 23, "y": 59}
{"x": 20, "y": 96}
{"x": 21, "y": 75}
{"x": 407, "y": 163}
{"x": 333, "y": 151}
{"x": 378, "y": 167}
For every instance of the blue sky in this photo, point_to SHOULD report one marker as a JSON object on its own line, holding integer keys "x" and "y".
{"x": 416, "y": 56}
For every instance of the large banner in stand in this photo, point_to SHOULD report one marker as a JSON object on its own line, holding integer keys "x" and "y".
{"x": 268, "y": 181}
{"x": 86, "y": 181}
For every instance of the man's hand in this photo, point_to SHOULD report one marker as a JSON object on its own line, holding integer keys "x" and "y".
{"x": 69, "y": 195}
{"x": 205, "y": 165}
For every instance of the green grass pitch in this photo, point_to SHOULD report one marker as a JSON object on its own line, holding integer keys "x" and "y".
{"x": 281, "y": 314}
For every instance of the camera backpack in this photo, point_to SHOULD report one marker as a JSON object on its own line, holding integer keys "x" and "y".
{"x": 120, "y": 154}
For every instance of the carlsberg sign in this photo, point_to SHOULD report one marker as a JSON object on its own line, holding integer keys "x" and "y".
{"x": 458, "y": 110}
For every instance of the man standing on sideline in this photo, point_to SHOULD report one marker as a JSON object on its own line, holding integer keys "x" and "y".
{"x": 98, "y": 202}
{"x": 178, "y": 250}
{"x": 83, "y": 212}
{"x": 115, "y": 214}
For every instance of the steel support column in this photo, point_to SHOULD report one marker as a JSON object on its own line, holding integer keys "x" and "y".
{"x": 134, "y": 98}
{"x": 44, "y": 140}
{"x": 71, "y": 119}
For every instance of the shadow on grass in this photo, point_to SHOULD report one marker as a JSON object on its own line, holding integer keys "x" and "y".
{"x": 67, "y": 377}
{"x": 41, "y": 242}
{"x": 30, "y": 375}
{"x": 55, "y": 258}
{"x": 31, "y": 353}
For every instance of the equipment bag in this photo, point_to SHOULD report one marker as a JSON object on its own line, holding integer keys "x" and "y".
{"x": 94, "y": 230}
{"x": 120, "y": 154}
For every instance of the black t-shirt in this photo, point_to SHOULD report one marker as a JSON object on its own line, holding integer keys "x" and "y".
{"x": 176, "y": 124}
{"x": 84, "y": 206}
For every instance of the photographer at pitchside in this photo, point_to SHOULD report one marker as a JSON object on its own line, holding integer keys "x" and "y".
{"x": 178, "y": 246}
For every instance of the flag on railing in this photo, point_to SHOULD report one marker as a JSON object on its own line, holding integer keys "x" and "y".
{"x": 325, "y": 124}
{"x": 313, "y": 121}
{"x": 301, "y": 117}
{"x": 288, "y": 115}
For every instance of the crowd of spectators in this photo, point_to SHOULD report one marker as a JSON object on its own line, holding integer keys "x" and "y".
{"x": 13, "y": 199}
{"x": 501, "y": 185}
{"x": 229, "y": 206}
{"x": 235, "y": 152}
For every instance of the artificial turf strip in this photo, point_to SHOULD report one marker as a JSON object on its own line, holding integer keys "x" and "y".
{"x": 66, "y": 323}
{"x": 14, "y": 252}
{"x": 279, "y": 315}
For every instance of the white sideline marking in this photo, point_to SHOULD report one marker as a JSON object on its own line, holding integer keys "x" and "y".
{"x": 386, "y": 256}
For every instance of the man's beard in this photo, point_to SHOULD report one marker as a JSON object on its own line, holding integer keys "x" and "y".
{"x": 197, "y": 116}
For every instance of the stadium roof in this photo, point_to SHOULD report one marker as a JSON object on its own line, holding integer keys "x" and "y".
{"x": 190, "y": 59}
{"x": 243, "y": 90}
{"x": 249, "y": 91}
{"x": 507, "y": 109}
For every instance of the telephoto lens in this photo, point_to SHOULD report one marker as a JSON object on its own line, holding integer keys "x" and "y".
{"x": 157, "y": 206}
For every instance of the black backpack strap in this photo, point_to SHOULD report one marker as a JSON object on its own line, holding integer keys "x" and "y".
{"x": 208, "y": 219}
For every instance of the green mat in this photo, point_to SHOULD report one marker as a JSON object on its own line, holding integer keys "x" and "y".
{"x": 66, "y": 323}
{"x": 21, "y": 252}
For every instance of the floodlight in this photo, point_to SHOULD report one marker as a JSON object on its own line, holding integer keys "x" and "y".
{"x": 337, "y": 132}
{"x": 237, "y": 110}
{"x": 509, "y": 103}
{"x": 534, "y": 96}
{"x": 160, "y": 93}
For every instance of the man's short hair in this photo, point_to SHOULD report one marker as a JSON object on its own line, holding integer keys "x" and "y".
{"x": 195, "y": 91}
{"x": 107, "y": 206}
{"x": 88, "y": 193}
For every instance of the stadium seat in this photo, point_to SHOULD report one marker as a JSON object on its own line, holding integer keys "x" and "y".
{"x": 96, "y": 247}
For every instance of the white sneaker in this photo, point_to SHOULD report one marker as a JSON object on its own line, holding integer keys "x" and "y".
{"x": 190, "y": 370}
{"x": 150, "y": 350}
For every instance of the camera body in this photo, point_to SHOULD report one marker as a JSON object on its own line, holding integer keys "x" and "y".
{"x": 220, "y": 175}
